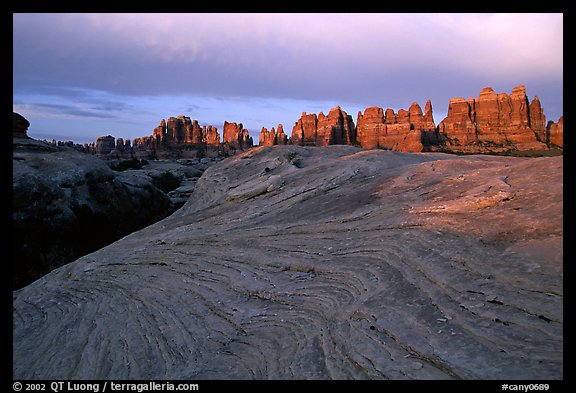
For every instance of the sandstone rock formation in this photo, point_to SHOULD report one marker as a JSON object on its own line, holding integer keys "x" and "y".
{"x": 555, "y": 132}
{"x": 335, "y": 129}
{"x": 19, "y": 126}
{"x": 304, "y": 130}
{"x": 272, "y": 137}
{"x": 66, "y": 204}
{"x": 494, "y": 122}
{"x": 281, "y": 137}
{"x": 351, "y": 265}
{"x": 211, "y": 136}
{"x": 236, "y": 136}
{"x": 267, "y": 138}
{"x": 179, "y": 137}
{"x": 178, "y": 131}
{"x": 409, "y": 131}
{"x": 105, "y": 145}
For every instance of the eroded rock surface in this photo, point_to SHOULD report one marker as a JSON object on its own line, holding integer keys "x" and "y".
{"x": 66, "y": 204}
{"x": 314, "y": 263}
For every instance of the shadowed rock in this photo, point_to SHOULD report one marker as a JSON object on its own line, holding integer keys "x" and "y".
{"x": 19, "y": 126}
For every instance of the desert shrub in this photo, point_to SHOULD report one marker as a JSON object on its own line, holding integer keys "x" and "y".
{"x": 292, "y": 155}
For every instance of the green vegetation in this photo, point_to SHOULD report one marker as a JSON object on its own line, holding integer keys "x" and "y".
{"x": 291, "y": 156}
{"x": 531, "y": 153}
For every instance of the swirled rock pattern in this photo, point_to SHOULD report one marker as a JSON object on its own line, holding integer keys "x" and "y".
{"x": 319, "y": 263}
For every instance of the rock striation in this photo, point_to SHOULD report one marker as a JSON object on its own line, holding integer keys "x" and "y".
{"x": 494, "y": 122}
{"x": 335, "y": 129}
{"x": 351, "y": 264}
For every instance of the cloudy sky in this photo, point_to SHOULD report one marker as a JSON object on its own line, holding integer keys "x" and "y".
{"x": 79, "y": 76}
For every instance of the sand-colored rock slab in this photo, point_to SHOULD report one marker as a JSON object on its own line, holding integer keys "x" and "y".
{"x": 343, "y": 267}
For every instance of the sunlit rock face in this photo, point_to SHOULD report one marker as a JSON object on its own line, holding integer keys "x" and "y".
{"x": 494, "y": 122}
{"x": 337, "y": 128}
{"x": 408, "y": 131}
{"x": 555, "y": 132}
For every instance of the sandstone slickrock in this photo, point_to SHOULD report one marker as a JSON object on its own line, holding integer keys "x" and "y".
{"x": 353, "y": 264}
{"x": 494, "y": 122}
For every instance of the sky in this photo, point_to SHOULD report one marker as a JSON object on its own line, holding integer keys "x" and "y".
{"x": 80, "y": 76}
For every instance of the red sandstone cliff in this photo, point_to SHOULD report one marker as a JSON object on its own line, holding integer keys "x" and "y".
{"x": 410, "y": 131}
{"x": 494, "y": 122}
{"x": 236, "y": 136}
{"x": 335, "y": 129}
{"x": 555, "y": 132}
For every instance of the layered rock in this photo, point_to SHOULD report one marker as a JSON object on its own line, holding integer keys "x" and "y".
{"x": 304, "y": 130}
{"x": 236, "y": 136}
{"x": 555, "y": 133}
{"x": 538, "y": 119}
{"x": 272, "y": 137}
{"x": 66, "y": 204}
{"x": 182, "y": 130}
{"x": 369, "y": 127}
{"x": 335, "y": 129}
{"x": 179, "y": 137}
{"x": 281, "y": 137}
{"x": 354, "y": 265}
{"x": 410, "y": 131}
{"x": 267, "y": 138}
{"x": 210, "y": 135}
{"x": 105, "y": 145}
{"x": 493, "y": 122}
